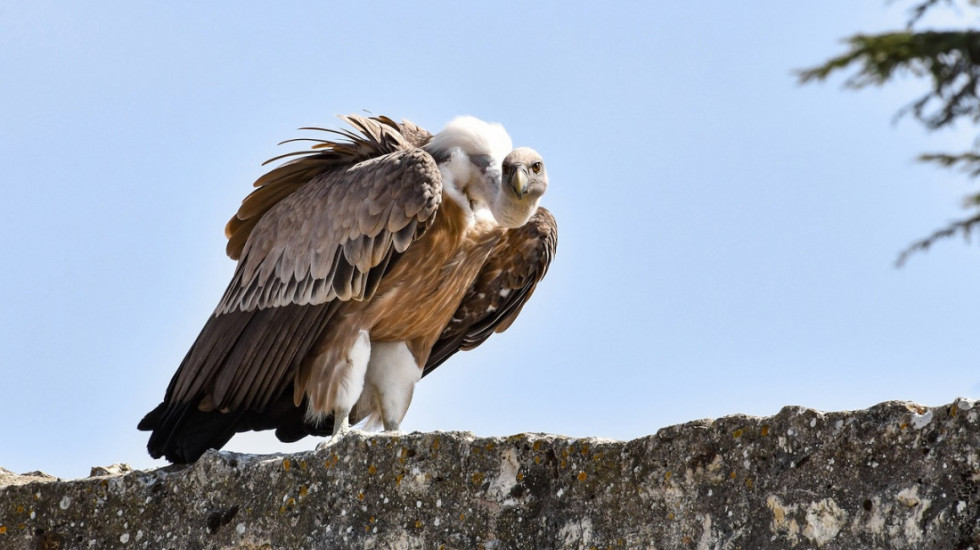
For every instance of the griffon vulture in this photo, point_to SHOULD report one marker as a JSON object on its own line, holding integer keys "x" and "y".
{"x": 363, "y": 264}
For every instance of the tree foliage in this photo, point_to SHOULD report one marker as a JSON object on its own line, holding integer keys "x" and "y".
{"x": 950, "y": 60}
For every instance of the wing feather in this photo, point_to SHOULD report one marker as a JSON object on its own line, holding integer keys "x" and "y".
{"x": 237, "y": 232}
{"x": 324, "y": 155}
{"x": 506, "y": 281}
{"x": 325, "y": 229}
{"x": 404, "y": 236}
{"x": 260, "y": 200}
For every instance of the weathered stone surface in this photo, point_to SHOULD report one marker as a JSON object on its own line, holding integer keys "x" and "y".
{"x": 895, "y": 476}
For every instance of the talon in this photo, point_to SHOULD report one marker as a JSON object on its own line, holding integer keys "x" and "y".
{"x": 392, "y": 427}
{"x": 341, "y": 426}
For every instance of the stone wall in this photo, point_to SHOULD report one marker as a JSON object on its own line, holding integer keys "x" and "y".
{"x": 894, "y": 476}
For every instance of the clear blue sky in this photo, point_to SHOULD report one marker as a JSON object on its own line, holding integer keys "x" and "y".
{"x": 726, "y": 236}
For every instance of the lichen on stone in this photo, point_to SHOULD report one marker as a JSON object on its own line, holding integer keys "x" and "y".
{"x": 897, "y": 475}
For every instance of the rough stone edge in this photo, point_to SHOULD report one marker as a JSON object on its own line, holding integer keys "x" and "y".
{"x": 675, "y": 469}
{"x": 10, "y": 478}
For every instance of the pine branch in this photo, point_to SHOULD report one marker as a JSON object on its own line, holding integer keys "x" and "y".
{"x": 968, "y": 162}
{"x": 951, "y": 59}
{"x": 964, "y": 226}
{"x": 920, "y": 10}
{"x": 951, "y": 62}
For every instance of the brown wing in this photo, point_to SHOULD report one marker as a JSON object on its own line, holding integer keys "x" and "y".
{"x": 508, "y": 278}
{"x": 378, "y": 136}
{"x": 323, "y": 241}
{"x": 330, "y": 239}
{"x": 312, "y": 238}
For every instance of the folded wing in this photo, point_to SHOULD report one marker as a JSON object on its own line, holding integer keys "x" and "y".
{"x": 508, "y": 278}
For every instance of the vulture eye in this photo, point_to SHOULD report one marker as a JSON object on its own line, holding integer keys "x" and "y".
{"x": 536, "y": 167}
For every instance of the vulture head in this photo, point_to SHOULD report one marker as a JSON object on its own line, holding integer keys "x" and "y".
{"x": 524, "y": 182}
{"x": 480, "y": 170}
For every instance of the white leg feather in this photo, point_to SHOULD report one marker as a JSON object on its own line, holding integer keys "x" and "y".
{"x": 389, "y": 384}
{"x": 349, "y": 379}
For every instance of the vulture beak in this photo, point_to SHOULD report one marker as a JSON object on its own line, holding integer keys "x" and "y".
{"x": 518, "y": 181}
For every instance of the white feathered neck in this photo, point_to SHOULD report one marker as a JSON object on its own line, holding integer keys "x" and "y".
{"x": 470, "y": 153}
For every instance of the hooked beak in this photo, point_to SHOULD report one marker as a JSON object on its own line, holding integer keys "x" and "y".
{"x": 518, "y": 181}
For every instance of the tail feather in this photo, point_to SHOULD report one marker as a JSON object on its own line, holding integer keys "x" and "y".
{"x": 181, "y": 433}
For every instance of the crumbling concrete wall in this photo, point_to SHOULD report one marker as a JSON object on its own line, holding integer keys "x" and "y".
{"x": 894, "y": 476}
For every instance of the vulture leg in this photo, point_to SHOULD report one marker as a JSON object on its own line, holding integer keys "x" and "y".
{"x": 349, "y": 380}
{"x": 388, "y": 385}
